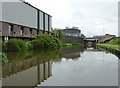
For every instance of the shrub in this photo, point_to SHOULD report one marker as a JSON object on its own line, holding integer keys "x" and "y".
{"x": 60, "y": 34}
{"x": 29, "y": 46}
{"x": 16, "y": 45}
{"x": 4, "y": 47}
{"x": 46, "y": 41}
{"x": 3, "y": 57}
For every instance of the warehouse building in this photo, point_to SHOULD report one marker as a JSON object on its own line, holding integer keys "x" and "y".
{"x": 22, "y": 20}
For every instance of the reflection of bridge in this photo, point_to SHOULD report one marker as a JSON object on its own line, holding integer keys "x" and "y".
{"x": 29, "y": 72}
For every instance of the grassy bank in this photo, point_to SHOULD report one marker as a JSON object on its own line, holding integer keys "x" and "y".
{"x": 109, "y": 46}
{"x": 71, "y": 44}
{"x": 115, "y": 41}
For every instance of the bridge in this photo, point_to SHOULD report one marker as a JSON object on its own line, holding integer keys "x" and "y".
{"x": 90, "y": 39}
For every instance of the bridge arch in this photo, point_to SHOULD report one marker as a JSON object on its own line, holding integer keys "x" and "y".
{"x": 90, "y": 39}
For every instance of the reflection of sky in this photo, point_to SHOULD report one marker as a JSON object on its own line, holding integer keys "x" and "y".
{"x": 92, "y": 69}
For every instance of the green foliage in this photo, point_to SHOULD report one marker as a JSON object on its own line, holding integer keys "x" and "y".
{"x": 3, "y": 57}
{"x": 110, "y": 46}
{"x": 46, "y": 41}
{"x": 82, "y": 35}
{"x": 77, "y": 44}
{"x": 66, "y": 44}
{"x": 16, "y": 45}
{"x": 115, "y": 41}
{"x": 60, "y": 34}
{"x": 29, "y": 46}
{"x": 4, "y": 47}
{"x": 71, "y": 44}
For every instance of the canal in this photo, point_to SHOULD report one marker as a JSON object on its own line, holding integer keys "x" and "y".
{"x": 70, "y": 66}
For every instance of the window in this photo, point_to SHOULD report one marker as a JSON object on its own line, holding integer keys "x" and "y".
{"x": 10, "y": 29}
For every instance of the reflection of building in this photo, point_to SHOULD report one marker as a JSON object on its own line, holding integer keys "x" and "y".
{"x": 22, "y": 20}
{"x": 72, "y": 52}
{"x": 29, "y": 72}
{"x": 72, "y": 32}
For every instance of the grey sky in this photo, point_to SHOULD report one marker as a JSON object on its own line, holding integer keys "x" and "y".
{"x": 90, "y": 16}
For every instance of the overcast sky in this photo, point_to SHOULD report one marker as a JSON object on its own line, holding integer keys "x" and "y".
{"x": 93, "y": 17}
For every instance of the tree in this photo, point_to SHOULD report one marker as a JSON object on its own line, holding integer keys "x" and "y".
{"x": 60, "y": 34}
{"x": 82, "y": 35}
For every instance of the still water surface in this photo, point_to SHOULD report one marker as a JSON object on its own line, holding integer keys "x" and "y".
{"x": 71, "y": 66}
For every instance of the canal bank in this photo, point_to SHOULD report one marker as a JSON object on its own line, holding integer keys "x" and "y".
{"x": 114, "y": 49}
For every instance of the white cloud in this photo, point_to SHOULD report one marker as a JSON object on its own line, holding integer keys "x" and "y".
{"x": 91, "y": 16}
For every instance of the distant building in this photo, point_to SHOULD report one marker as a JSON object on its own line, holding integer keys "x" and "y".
{"x": 74, "y": 31}
{"x": 104, "y": 37}
{"x": 22, "y": 20}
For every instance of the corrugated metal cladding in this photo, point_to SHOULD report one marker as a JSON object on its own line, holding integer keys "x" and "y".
{"x": 50, "y": 23}
{"x": 19, "y": 13}
{"x": 23, "y": 14}
{"x": 41, "y": 20}
{"x": 46, "y": 22}
{"x": 0, "y": 10}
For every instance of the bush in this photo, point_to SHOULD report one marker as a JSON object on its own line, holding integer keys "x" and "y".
{"x": 3, "y": 57}
{"x": 29, "y": 46}
{"x": 4, "y": 47}
{"x": 46, "y": 41}
{"x": 60, "y": 34}
{"x": 16, "y": 45}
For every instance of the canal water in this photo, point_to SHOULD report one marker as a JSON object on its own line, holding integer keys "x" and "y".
{"x": 70, "y": 66}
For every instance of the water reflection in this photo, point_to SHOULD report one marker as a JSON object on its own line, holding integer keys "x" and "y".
{"x": 72, "y": 52}
{"x": 70, "y": 66}
{"x": 28, "y": 68}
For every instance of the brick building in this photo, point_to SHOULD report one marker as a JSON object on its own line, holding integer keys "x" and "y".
{"x": 20, "y": 19}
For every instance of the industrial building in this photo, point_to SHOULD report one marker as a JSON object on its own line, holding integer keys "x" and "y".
{"x": 74, "y": 31}
{"x": 22, "y": 20}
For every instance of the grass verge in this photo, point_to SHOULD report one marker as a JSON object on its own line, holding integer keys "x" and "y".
{"x": 71, "y": 44}
{"x": 109, "y": 46}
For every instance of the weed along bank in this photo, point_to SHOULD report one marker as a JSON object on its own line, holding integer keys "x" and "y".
{"x": 24, "y": 21}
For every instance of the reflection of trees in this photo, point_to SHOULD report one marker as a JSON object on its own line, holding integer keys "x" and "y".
{"x": 72, "y": 52}
{"x": 21, "y": 62}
